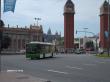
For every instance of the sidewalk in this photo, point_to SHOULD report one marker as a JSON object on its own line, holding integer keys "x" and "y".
{"x": 18, "y": 77}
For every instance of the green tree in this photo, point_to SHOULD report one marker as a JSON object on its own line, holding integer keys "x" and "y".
{"x": 89, "y": 45}
{"x": 6, "y": 42}
{"x": 61, "y": 41}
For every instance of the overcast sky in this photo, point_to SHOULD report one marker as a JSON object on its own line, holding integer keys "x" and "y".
{"x": 51, "y": 12}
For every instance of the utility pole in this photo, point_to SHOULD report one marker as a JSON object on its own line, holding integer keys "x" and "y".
{"x": 85, "y": 31}
{"x": 108, "y": 28}
{"x": 85, "y": 38}
{"x": 0, "y": 9}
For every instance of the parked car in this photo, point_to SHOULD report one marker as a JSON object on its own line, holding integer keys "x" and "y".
{"x": 22, "y": 51}
{"x": 82, "y": 51}
{"x": 89, "y": 49}
{"x": 79, "y": 51}
{"x": 101, "y": 51}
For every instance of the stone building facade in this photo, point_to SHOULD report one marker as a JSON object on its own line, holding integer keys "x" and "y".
{"x": 49, "y": 37}
{"x": 21, "y": 36}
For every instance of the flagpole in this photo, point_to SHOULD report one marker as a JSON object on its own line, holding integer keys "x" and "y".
{"x": 108, "y": 29}
{"x": 0, "y": 9}
{"x": 0, "y": 41}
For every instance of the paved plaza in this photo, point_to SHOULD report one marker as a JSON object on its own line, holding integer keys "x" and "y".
{"x": 61, "y": 68}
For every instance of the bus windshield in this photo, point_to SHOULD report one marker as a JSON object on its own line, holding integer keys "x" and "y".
{"x": 33, "y": 48}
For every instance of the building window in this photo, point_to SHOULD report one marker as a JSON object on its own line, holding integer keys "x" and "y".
{"x": 23, "y": 44}
{"x": 35, "y": 38}
{"x": 14, "y": 44}
{"x": 19, "y": 44}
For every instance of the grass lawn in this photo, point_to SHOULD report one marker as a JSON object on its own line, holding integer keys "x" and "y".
{"x": 103, "y": 55}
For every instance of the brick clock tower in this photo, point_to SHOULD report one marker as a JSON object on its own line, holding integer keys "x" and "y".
{"x": 104, "y": 24}
{"x": 69, "y": 12}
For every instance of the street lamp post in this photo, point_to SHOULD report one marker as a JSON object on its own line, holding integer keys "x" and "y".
{"x": 85, "y": 38}
{"x": 37, "y": 20}
{"x": 85, "y": 29}
{"x": 92, "y": 34}
{"x": 108, "y": 28}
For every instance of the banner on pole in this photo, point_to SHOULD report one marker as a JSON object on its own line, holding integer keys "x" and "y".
{"x": 106, "y": 34}
{"x": 9, "y": 5}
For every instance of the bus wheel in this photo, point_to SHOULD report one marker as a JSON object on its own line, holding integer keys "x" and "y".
{"x": 51, "y": 55}
{"x": 32, "y": 58}
{"x": 43, "y": 55}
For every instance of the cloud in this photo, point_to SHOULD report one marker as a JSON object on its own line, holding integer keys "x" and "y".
{"x": 51, "y": 13}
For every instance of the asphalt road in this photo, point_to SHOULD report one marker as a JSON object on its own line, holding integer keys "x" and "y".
{"x": 62, "y": 68}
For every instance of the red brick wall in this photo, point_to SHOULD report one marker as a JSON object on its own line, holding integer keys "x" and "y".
{"x": 68, "y": 30}
{"x": 103, "y": 28}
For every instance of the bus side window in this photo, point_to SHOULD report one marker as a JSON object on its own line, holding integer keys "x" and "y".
{"x": 38, "y": 48}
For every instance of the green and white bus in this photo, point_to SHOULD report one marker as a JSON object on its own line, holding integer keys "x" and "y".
{"x": 37, "y": 50}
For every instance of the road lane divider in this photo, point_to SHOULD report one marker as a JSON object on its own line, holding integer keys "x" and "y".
{"x": 15, "y": 70}
{"x": 90, "y": 64}
{"x": 55, "y": 71}
{"x": 100, "y": 62}
{"x": 78, "y": 68}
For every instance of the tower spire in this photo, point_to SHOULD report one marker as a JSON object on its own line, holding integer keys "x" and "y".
{"x": 49, "y": 31}
{"x": 69, "y": 7}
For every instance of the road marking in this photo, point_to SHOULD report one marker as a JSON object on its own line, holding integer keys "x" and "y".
{"x": 74, "y": 67}
{"x": 100, "y": 62}
{"x": 55, "y": 71}
{"x": 90, "y": 64}
{"x": 14, "y": 70}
